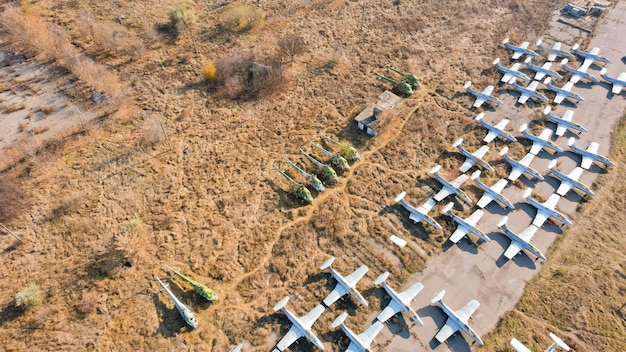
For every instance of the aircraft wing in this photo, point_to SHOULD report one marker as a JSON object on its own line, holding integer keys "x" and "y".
{"x": 459, "y": 180}
{"x": 617, "y": 88}
{"x": 411, "y": 292}
{"x": 513, "y": 249}
{"x": 499, "y": 186}
{"x": 551, "y": 202}
{"x": 352, "y": 347}
{"x": 539, "y": 76}
{"x": 502, "y": 124}
{"x": 447, "y": 330}
{"x": 442, "y": 194}
{"x": 528, "y": 233}
{"x": 516, "y": 172}
{"x": 290, "y": 337}
{"x": 516, "y": 55}
{"x": 558, "y": 99}
{"x": 587, "y": 161}
{"x": 485, "y": 200}
{"x": 353, "y": 278}
{"x": 480, "y": 153}
{"x": 389, "y": 311}
{"x": 560, "y": 129}
{"x": 479, "y": 101}
{"x": 489, "y": 89}
{"x": 523, "y": 98}
{"x": 335, "y": 294}
{"x": 473, "y": 219}
{"x": 467, "y": 164}
{"x": 621, "y": 77}
{"x": 311, "y": 317}
{"x": 466, "y": 312}
{"x": 368, "y": 335}
{"x": 564, "y": 187}
{"x": 540, "y": 218}
{"x": 575, "y": 78}
{"x": 457, "y": 235}
{"x": 595, "y": 51}
{"x": 506, "y": 77}
{"x": 491, "y": 135}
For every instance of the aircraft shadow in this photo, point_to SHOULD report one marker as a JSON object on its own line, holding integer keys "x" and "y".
{"x": 595, "y": 168}
{"x": 526, "y": 208}
{"x": 10, "y": 312}
{"x": 287, "y": 200}
{"x": 553, "y": 227}
{"x": 171, "y": 322}
{"x": 398, "y": 326}
{"x": 416, "y": 230}
{"x": 439, "y": 318}
{"x": 569, "y": 104}
{"x": 496, "y": 209}
{"x": 465, "y": 244}
{"x": 523, "y": 260}
{"x": 584, "y": 85}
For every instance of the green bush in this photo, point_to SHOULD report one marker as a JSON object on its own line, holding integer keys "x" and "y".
{"x": 241, "y": 18}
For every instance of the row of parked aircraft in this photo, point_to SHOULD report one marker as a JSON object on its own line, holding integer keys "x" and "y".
{"x": 511, "y": 74}
{"x": 400, "y": 303}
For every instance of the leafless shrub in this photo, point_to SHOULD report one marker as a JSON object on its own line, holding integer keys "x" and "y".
{"x": 152, "y": 133}
{"x": 241, "y": 77}
{"x": 291, "y": 45}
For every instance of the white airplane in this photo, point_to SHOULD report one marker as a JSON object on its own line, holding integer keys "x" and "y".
{"x": 591, "y": 55}
{"x": 491, "y": 193}
{"x": 545, "y": 210}
{"x": 399, "y": 301}
{"x": 520, "y": 241}
{"x": 467, "y": 225}
{"x": 618, "y": 83}
{"x": 237, "y": 348}
{"x": 450, "y": 187}
{"x": 562, "y": 92}
{"x": 542, "y": 71}
{"x": 183, "y": 310}
{"x": 589, "y": 155}
{"x": 495, "y": 130}
{"x": 420, "y": 213}
{"x": 518, "y": 51}
{"x": 569, "y": 181}
{"x": 520, "y": 167}
{"x": 474, "y": 158}
{"x": 519, "y": 347}
{"x": 541, "y": 141}
{"x": 509, "y": 73}
{"x": 457, "y": 320}
{"x": 564, "y": 122}
{"x": 344, "y": 285}
{"x": 482, "y": 97}
{"x": 554, "y": 51}
{"x": 527, "y": 92}
{"x": 578, "y": 73}
{"x": 362, "y": 341}
{"x": 301, "y": 326}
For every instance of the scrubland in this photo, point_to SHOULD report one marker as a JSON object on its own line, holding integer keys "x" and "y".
{"x": 176, "y": 168}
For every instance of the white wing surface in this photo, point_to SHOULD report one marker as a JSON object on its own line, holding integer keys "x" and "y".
{"x": 411, "y": 292}
{"x": 392, "y": 309}
{"x": 353, "y": 278}
{"x": 447, "y": 330}
{"x": 587, "y": 161}
{"x": 290, "y": 337}
{"x": 466, "y": 312}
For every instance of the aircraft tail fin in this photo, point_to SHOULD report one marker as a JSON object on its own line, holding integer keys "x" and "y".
{"x": 504, "y": 151}
{"x": 527, "y": 192}
{"x": 438, "y": 296}
{"x": 496, "y": 61}
{"x": 475, "y": 175}
{"x": 327, "y": 263}
{"x": 564, "y": 62}
{"x": 527, "y": 60}
{"x": 576, "y": 46}
{"x": 506, "y": 40}
{"x": 523, "y": 127}
{"x": 603, "y": 71}
{"x": 399, "y": 197}
{"x": 539, "y": 42}
{"x": 503, "y": 221}
{"x": 547, "y": 81}
{"x": 340, "y": 319}
{"x": 379, "y": 280}
{"x": 552, "y": 164}
{"x": 571, "y": 141}
{"x": 559, "y": 342}
{"x": 548, "y": 109}
{"x": 281, "y": 304}
{"x": 447, "y": 208}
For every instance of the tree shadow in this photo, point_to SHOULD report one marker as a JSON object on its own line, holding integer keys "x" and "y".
{"x": 10, "y": 312}
{"x": 287, "y": 200}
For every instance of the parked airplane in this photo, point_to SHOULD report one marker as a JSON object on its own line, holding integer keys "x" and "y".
{"x": 467, "y": 225}
{"x": 518, "y": 51}
{"x": 474, "y": 158}
{"x": 541, "y": 141}
{"x": 591, "y": 55}
{"x": 362, "y": 341}
{"x": 510, "y": 73}
{"x": 399, "y": 301}
{"x": 491, "y": 193}
{"x": 344, "y": 285}
{"x": 301, "y": 326}
{"x": 457, "y": 320}
{"x": 519, "y": 347}
{"x": 520, "y": 241}
{"x": 482, "y": 97}
{"x": 237, "y": 348}
{"x": 564, "y": 122}
{"x": 554, "y": 51}
{"x": 542, "y": 71}
{"x": 520, "y": 167}
{"x": 578, "y": 73}
{"x": 589, "y": 155}
{"x": 527, "y": 92}
{"x": 618, "y": 83}
{"x": 420, "y": 213}
{"x": 545, "y": 210}
{"x": 183, "y": 310}
{"x": 450, "y": 187}
{"x": 562, "y": 92}
{"x": 569, "y": 181}
{"x": 495, "y": 130}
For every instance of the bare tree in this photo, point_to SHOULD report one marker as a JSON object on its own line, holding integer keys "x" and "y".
{"x": 291, "y": 45}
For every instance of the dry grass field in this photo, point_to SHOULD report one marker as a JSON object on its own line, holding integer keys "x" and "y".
{"x": 177, "y": 169}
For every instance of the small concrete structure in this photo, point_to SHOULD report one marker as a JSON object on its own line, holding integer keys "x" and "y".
{"x": 371, "y": 119}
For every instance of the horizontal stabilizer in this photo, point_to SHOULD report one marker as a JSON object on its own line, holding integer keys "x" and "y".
{"x": 447, "y": 208}
{"x": 467, "y": 84}
{"x": 479, "y": 116}
{"x": 523, "y": 127}
{"x": 559, "y": 342}
{"x": 552, "y": 164}
{"x": 518, "y": 346}
{"x": 379, "y": 280}
{"x": 504, "y": 151}
{"x": 400, "y": 197}
{"x": 527, "y": 193}
{"x": 438, "y": 296}
{"x": 435, "y": 169}
{"x": 496, "y": 61}
{"x": 281, "y": 304}
{"x": 340, "y": 319}
{"x": 571, "y": 141}
{"x": 503, "y": 221}
{"x": 327, "y": 263}
{"x": 475, "y": 175}
{"x": 458, "y": 142}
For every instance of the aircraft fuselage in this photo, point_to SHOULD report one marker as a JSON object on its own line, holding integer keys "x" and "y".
{"x": 459, "y": 324}
{"x": 406, "y": 306}
{"x": 306, "y": 333}
{"x": 342, "y": 281}
{"x": 549, "y": 213}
